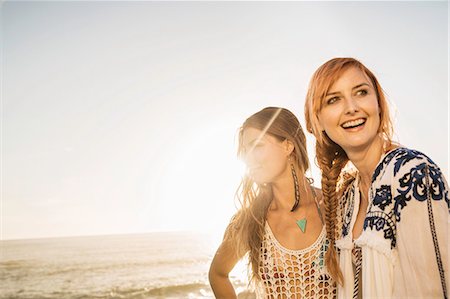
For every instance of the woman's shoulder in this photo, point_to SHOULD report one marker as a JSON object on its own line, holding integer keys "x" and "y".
{"x": 404, "y": 180}
{"x": 402, "y": 160}
{"x": 409, "y": 154}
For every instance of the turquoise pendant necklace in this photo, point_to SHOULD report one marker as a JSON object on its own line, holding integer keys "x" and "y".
{"x": 302, "y": 224}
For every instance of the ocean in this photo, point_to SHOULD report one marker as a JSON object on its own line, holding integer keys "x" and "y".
{"x": 153, "y": 265}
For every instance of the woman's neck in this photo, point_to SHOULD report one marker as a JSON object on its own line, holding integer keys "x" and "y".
{"x": 366, "y": 160}
{"x": 284, "y": 191}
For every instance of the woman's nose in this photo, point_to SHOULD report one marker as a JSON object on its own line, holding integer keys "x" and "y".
{"x": 351, "y": 105}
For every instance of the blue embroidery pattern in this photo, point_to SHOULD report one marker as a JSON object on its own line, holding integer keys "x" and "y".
{"x": 437, "y": 188}
{"x": 385, "y": 209}
{"x": 383, "y": 196}
{"x": 385, "y": 222}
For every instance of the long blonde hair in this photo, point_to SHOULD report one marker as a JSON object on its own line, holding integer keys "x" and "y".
{"x": 330, "y": 156}
{"x": 246, "y": 228}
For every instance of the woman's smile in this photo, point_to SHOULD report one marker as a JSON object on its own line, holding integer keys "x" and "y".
{"x": 351, "y": 124}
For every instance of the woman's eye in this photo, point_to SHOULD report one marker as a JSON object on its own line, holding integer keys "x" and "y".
{"x": 332, "y": 100}
{"x": 362, "y": 92}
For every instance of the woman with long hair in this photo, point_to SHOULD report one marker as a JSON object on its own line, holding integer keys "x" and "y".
{"x": 279, "y": 224}
{"x": 389, "y": 218}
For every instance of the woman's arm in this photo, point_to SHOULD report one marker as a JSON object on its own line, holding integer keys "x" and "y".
{"x": 224, "y": 261}
{"x": 420, "y": 184}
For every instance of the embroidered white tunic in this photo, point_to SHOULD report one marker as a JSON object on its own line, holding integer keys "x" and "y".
{"x": 287, "y": 273}
{"x": 398, "y": 253}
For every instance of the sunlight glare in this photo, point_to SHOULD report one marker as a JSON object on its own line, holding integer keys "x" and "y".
{"x": 199, "y": 184}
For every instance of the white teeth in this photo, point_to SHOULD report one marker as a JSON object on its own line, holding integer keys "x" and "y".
{"x": 353, "y": 123}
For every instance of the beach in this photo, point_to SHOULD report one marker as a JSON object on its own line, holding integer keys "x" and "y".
{"x": 153, "y": 265}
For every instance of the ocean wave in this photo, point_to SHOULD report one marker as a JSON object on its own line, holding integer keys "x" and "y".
{"x": 137, "y": 267}
{"x": 193, "y": 290}
{"x": 189, "y": 290}
{"x": 173, "y": 290}
{"x": 44, "y": 268}
{"x": 15, "y": 264}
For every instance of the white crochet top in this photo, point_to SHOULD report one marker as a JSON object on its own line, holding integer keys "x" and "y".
{"x": 287, "y": 273}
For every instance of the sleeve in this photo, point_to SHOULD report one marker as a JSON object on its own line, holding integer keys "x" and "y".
{"x": 418, "y": 183}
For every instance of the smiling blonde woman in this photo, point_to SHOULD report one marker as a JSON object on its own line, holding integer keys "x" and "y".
{"x": 391, "y": 222}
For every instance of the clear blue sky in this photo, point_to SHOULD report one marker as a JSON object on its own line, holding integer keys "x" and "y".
{"x": 120, "y": 117}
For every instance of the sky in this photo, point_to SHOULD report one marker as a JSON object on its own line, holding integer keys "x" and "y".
{"x": 121, "y": 117}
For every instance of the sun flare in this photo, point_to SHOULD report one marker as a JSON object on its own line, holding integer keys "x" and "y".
{"x": 200, "y": 181}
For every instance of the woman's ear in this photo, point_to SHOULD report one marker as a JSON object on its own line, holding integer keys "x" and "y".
{"x": 289, "y": 146}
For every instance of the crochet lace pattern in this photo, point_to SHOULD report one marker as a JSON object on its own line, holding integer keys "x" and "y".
{"x": 287, "y": 273}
